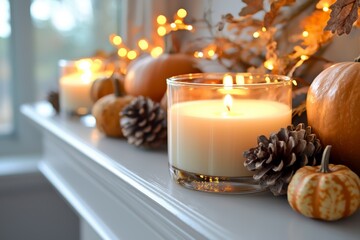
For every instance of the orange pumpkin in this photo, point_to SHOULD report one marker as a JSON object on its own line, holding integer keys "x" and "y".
{"x": 328, "y": 192}
{"x": 333, "y": 111}
{"x": 101, "y": 87}
{"x": 107, "y": 110}
{"x": 147, "y": 76}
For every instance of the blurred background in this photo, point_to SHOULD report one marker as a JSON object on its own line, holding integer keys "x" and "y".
{"x": 34, "y": 36}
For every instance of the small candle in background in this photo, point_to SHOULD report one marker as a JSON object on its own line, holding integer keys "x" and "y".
{"x": 75, "y": 84}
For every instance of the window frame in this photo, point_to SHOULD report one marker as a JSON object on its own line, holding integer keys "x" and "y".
{"x": 24, "y": 138}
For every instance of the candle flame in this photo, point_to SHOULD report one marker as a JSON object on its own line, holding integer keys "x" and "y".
{"x": 228, "y": 101}
{"x": 85, "y": 77}
{"x": 87, "y": 65}
{"x": 83, "y": 64}
{"x": 228, "y": 83}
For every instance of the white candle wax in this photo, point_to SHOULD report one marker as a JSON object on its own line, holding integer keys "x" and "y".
{"x": 205, "y": 138}
{"x": 75, "y": 91}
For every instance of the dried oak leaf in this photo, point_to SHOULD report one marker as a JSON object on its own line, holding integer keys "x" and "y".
{"x": 343, "y": 15}
{"x": 252, "y": 7}
{"x": 274, "y": 11}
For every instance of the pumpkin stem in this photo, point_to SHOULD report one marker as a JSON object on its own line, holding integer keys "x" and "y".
{"x": 116, "y": 77}
{"x": 169, "y": 43}
{"x": 324, "y": 168}
{"x": 357, "y": 59}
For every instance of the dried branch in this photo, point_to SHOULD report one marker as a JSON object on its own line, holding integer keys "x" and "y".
{"x": 274, "y": 11}
{"x": 297, "y": 111}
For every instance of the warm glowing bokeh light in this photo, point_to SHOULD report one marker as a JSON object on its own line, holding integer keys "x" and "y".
{"x": 240, "y": 79}
{"x": 269, "y": 65}
{"x": 173, "y": 25}
{"x": 115, "y": 39}
{"x": 161, "y": 31}
{"x": 161, "y": 20}
{"x": 96, "y": 64}
{"x": 325, "y": 7}
{"x": 83, "y": 64}
{"x": 143, "y": 44}
{"x": 228, "y": 82}
{"x": 305, "y": 33}
{"x": 178, "y": 22}
{"x": 267, "y": 79}
{"x": 211, "y": 53}
{"x": 263, "y": 29}
{"x": 156, "y": 51}
{"x": 304, "y": 57}
{"x": 132, "y": 54}
{"x": 122, "y": 52}
{"x": 181, "y": 13}
{"x": 198, "y": 54}
{"x": 256, "y": 34}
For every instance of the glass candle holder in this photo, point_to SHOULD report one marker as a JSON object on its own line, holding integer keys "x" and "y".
{"x": 213, "y": 118}
{"x": 76, "y": 79}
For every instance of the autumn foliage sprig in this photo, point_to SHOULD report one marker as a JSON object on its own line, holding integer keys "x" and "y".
{"x": 251, "y": 43}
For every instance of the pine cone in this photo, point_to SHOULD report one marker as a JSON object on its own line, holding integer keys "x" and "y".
{"x": 53, "y": 98}
{"x": 276, "y": 159}
{"x": 143, "y": 123}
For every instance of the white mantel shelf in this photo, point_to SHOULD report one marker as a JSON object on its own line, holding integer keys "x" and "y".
{"x": 124, "y": 192}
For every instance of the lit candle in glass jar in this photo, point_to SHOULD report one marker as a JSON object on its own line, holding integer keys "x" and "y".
{"x": 75, "y": 85}
{"x": 207, "y": 137}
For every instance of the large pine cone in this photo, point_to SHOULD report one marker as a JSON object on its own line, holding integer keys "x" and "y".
{"x": 143, "y": 123}
{"x": 276, "y": 159}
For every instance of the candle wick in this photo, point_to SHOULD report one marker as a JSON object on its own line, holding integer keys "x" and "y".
{"x": 228, "y": 107}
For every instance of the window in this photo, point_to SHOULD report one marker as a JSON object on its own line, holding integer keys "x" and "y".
{"x": 69, "y": 29}
{"x": 34, "y": 36}
{"x": 6, "y": 114}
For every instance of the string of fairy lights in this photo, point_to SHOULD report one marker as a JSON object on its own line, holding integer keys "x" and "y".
{"x": 143, "y": 45}
{"x": 209, "y": 52}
